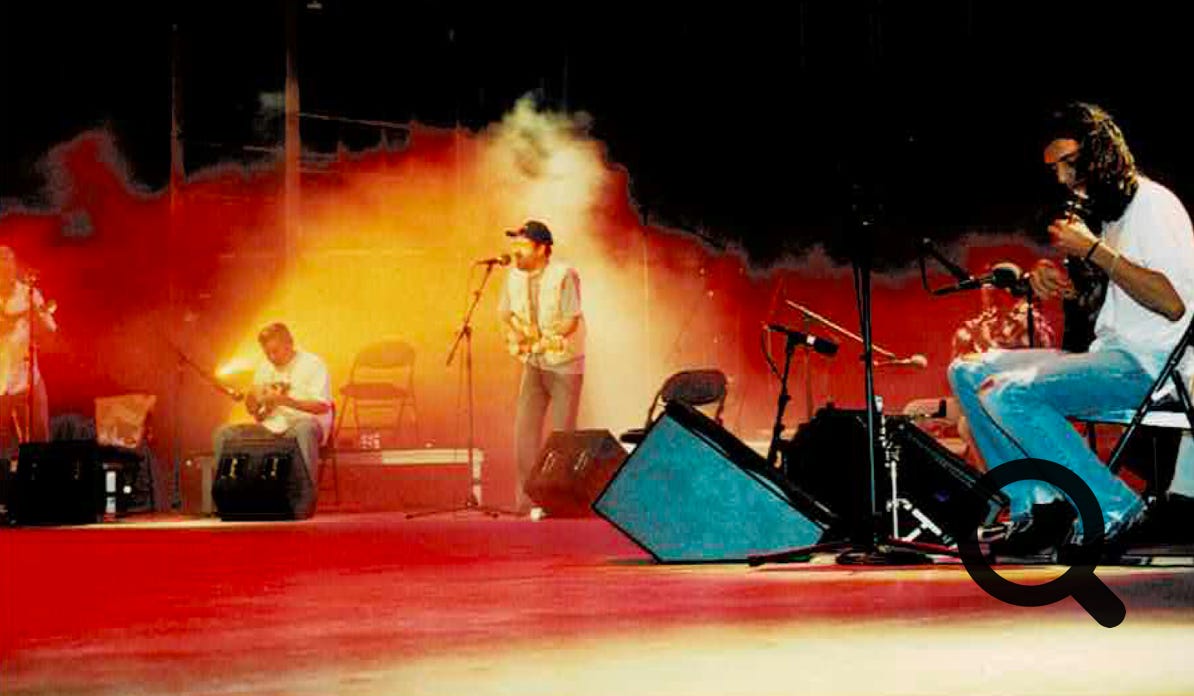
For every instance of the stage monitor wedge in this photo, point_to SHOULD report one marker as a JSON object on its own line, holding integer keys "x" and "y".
{"x": 693, "y": 493}
{"x": 572, "y": 470}
{"x": 262, "y": 478}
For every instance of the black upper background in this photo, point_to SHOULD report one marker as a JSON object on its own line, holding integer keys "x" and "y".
{"x": 770, "y": 128}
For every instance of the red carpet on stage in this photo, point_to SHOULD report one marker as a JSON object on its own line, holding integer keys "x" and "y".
{"x": 374, "y": 603}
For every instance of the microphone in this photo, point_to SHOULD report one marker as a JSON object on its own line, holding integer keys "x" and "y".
{"x": 1005, "y": 275}
{"x": 821, "y": 345}
{"x": 918, "y": 361}
{"x": 503, "y": 260}
{"x": 968, "y": 283}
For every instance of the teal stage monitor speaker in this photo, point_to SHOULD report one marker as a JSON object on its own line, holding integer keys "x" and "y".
{"x": 693, "y": 493}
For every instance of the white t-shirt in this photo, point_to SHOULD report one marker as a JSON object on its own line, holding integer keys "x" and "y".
{"x": 1154, "y": 232}
{"x": 308, "y": 378}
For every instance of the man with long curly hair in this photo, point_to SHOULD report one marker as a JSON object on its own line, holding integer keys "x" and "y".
{"x": 1139, "y": 235}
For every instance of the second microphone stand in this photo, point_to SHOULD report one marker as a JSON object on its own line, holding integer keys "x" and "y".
{"x": 793, "y": 339}
{"x": 464, "y": 337}
{"x": 35, "y": 314}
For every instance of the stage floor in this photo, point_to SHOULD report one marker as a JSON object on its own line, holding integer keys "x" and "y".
{"x": 377, "y": 604}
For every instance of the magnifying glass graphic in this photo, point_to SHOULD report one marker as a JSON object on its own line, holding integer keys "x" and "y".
{"x": 1079, "y": 581}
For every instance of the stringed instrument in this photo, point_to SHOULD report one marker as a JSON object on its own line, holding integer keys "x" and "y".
{"x": 259, "y": 410}
{"x": 1090, "y": 287}
{"x": 525, "y": 339}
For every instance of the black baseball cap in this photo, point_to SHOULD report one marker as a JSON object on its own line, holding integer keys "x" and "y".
{"x": 533, "y": 230}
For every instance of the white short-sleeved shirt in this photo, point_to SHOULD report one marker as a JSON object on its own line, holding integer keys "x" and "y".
{"x": 1154, "y": 232}
{"x": 309, "y": 380}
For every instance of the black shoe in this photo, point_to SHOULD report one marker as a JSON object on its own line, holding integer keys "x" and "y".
{"x": 1046, "y": 527}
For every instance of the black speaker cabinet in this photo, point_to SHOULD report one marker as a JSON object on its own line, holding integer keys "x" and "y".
{"x": 692, "y": 492}
{"x": 68, "y": 482}
{"x": 262, "y": 478}
{"x": 938, "y": 495}
{"x": 572, "y": 470}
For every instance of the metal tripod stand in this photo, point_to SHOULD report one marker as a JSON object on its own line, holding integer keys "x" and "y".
{"x": 464, "y": 337}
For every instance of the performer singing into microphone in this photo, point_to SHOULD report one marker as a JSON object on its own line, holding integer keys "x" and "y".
{"x": 1017, "y": 401}
{"x": 541, "y": 312}
{"x": 14, "y": 356}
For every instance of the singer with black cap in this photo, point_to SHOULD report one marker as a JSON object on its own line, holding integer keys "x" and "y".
{"x": 541, "y": 312}
{"x": 1017, "y": 402}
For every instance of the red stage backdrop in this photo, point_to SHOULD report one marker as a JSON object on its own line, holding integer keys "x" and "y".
{"x": 385, "y": 247}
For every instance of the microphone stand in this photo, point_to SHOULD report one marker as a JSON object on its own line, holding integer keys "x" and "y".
{"x": 31, "y": 357}
{"x": 185, "y": 360}
{"x": 809, "y": 317}
{"x": 840, "y": 329}
{"x": 793, "y": 339}
{"x": 790, "y": 343}
{"x": 965, "y": 279}
{"x": 865, "y": 545}
{"x": 807, "y": 324}
{"x": 33, "y": 315}
{"x": 1031, "y": 298}
{"x": 464, "y": 337}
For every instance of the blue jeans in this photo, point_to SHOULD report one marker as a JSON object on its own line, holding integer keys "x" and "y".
{"x": 1017, "y": 402}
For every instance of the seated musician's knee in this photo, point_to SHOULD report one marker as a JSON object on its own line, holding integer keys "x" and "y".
{"x": 1005, "y": 388}
{"x": 307, "y": 428}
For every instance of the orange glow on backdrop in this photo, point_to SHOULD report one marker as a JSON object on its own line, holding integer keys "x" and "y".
{"x": 388, "y": 251}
